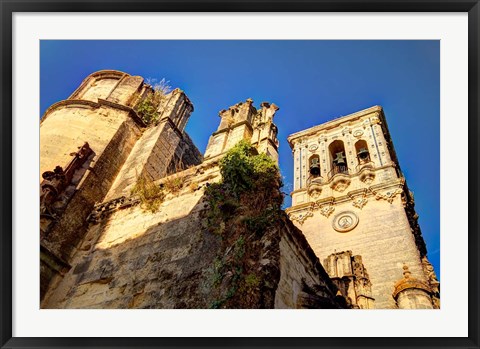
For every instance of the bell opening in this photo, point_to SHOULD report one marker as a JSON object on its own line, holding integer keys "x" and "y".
{"x": 315, "y": 166}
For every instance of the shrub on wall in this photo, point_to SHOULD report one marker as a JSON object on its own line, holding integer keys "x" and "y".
{"x": 242, "y": 208}
{"x": 147, "y": 108}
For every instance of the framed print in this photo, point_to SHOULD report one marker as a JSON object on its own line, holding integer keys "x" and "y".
{"x": 241, "y": 174}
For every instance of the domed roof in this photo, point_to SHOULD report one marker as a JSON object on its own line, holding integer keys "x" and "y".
{"x": 408, "y": 282}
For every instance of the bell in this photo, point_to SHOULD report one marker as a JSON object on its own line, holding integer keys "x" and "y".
{"x": 340, "y": 159}
{"x": 315, "y": 166}
{"x": 363, "y": 154}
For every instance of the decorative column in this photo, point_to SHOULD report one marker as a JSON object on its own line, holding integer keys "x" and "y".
{"x": 379, "y": 136}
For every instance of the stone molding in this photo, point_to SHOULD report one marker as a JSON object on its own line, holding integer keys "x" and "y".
{"x": 377, "y": 111}
{"x": 408, "y": 282}
{"x": 345, "y": 221}
{"x": 98, "y": 75}
{"x": 359, "y": 199}
{"x": 93, "y": 105}
{"x": 105, "y": 209}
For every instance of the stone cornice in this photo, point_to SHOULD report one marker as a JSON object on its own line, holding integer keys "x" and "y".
{"x": 93, "y": 105}
{"x": 351, "y": 176}
{"x": 409, "y": 284}
{"x": 108, "y": 73}
{"x": 385, "y": 191}
{"x": 335, "y": 123}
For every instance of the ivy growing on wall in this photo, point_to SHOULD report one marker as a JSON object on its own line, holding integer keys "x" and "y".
{"x": 243, "y": 207}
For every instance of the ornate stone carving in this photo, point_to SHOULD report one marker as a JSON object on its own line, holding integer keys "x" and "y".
{"x": 408, "y": 283}
{"x": 345, "y": 131}
{"x": 300, "y": 218}
{"x": 350, "y": 276}
{"x": 340, "y": 182}
{"x": 103, "y": 210}
{"x": 54, "y": 182}
{"x": 359, "y": 199}
{"x": 429, "y": 272}
{"x": 367, "y": 173}
{"x": 432, "y": 281}
{"x": 358, "y": 133}
{"x": 359, "y": 202}
{"x": 375, "y": 119}
{"x": 389, "y": 195}
{"x": 327, "y": 210}
{"x": 313, "y": 147}
{"x": 345, "y": 221}
{"x": 314, "y": 187}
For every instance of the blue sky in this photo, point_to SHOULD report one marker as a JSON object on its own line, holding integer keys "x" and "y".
{"x": 311, "y": 81}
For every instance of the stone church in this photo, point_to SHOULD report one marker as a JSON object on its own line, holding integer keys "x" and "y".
{"x": 122, "y": 210}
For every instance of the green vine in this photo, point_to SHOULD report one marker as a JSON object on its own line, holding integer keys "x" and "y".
{"x": 241, "y": 208}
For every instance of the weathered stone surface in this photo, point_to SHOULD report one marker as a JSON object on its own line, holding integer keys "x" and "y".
{"x": 135, "y": 259}
{"x": 127, "y": 257}
{"x": 244, "y": 121}
{"x": 366, "y": 209}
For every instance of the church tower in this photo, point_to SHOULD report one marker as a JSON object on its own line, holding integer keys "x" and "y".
{"x": 351, "y": 201}
{"x": 244, "y": 121}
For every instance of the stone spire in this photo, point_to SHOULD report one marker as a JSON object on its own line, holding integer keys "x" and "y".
{"x": 244, "y": 121}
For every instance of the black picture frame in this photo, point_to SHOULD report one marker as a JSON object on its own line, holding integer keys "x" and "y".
{"x": 8, "y": 7}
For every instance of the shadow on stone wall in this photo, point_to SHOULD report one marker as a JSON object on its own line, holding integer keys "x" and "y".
{"x": 164, "y": 267}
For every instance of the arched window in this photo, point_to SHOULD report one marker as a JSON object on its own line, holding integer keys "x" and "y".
{"x": 314, "y": 165}
{"x": 337, "y": 156}
{"x": 361, "y": 149}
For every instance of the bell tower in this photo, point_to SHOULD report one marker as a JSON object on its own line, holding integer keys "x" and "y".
{"x": 352, "y": 202}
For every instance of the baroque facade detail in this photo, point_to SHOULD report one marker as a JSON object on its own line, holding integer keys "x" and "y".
{"x": 327, "y": 210}
{"x": 102, "y": 210}
{"x": 351, "y": 169}
{"x": 124, "y": 223}
{"x": 301, "y": 217}
{"x": 388, "y": 196}
{"x": 350, "y": 275}
{"x": 98, "y": 248}
{"x": 359, "y": 200}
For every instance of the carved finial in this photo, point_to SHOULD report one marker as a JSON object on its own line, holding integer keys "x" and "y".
{"x": 249, "y": 100}
{"x": 265, "y": 104}
{"x": 406, "y": 272}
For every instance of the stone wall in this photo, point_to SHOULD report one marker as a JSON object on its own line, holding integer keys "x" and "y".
{"x": 303, "y": 281}
{"x": 350, "y": 196}
{"x": 138, "y": 259}
{"x": 109, "y": 248}
{"x": 161, "y": 150}
{"x": 100, "y": 113}
{"x": 111, "y": 142}
{"x": 384, "y": 243}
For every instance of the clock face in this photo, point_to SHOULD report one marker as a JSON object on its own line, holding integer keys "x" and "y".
{"x": 345, "y": 221}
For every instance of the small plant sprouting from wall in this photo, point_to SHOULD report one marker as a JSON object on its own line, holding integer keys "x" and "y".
{"x": 147, "y": 109}
{"x": 173, "y": 184}
{"x": 151, "y": 195}
{"x": 243, "y": 207}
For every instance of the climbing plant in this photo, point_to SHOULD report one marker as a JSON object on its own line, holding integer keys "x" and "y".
{"x": 242, "y": 207}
